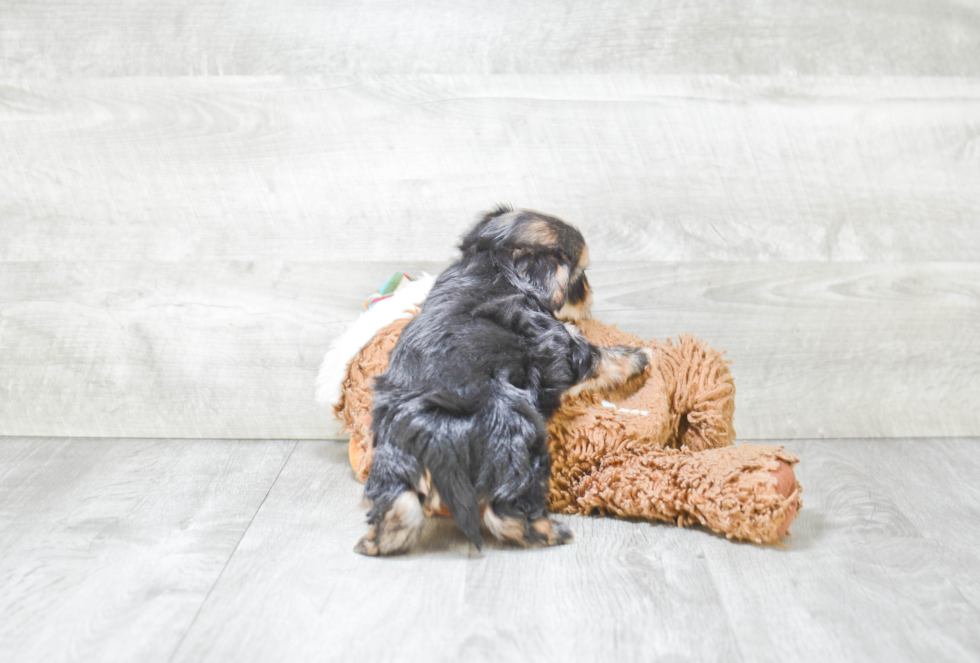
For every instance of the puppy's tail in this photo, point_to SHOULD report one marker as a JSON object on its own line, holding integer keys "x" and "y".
{"x": 457, "y": 492}
{"x": 448, "y": 461}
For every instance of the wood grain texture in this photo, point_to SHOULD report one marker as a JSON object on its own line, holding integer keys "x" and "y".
{"x": 445, "y": 602}
{"x": 871, "y": 573}
{"x": 176, "y": 550}
{"x": 231, "y": 349}
{"x": 222, "y": 37}
{"x": 182, "y": 349}
{"x": 108, "y": 547}
{"x": 862, "y": 578}
{"x": 394, "y": 168}
{"x": 821, "y": 350}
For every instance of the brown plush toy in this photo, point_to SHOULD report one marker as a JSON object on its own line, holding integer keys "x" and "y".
{"x": 661, "y": 448}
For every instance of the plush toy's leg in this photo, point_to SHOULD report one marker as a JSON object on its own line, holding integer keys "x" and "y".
{"x": 359, "y": 451}
{"x": 744, "y": 492}
{"x": 702, "y": 394}
{"x": 787, "y": 486}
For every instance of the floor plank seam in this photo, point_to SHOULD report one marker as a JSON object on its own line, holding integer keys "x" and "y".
{"x": 217, "y": 579}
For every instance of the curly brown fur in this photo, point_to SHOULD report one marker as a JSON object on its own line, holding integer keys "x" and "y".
{"x": 672, "y": 460}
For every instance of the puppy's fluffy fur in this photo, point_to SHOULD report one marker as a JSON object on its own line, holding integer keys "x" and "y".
{"x": 459, "y": 415}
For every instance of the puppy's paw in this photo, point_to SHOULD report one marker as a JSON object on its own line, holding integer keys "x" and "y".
{"x": 618, "y": 364}
{"x": 548, "y": 532}
{"x": 367, "y": 545}
{"x": 398, "y": 531}
{"x": 642, "y": 357}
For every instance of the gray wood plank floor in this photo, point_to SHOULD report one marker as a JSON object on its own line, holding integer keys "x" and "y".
{"x": 109, "y": 546}
{"x": 224, "y": 550}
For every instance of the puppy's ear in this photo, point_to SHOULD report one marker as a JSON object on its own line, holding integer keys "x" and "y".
{"x": 546, "y": 274}
{"x": 489, "y": 230}
{"x": 499, "y": 210}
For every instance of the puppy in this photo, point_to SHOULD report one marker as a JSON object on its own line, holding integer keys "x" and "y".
{"x": 459, "y": 415}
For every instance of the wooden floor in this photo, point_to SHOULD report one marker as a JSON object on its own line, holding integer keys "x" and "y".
{"x": 228, "y": 550}
{"x": 196, "y": 196}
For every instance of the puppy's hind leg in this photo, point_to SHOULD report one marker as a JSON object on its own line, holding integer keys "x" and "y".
{"x": 506, "y": 523}
{"x": 397, "y": 530}
{"x": 516, "y": 510}
{"x": 395, "y": 490}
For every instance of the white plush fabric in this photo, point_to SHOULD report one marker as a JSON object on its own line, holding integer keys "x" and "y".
{"x": 330, "y": 377}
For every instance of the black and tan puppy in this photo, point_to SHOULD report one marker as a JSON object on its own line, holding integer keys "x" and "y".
{"x": 459, "y": 416}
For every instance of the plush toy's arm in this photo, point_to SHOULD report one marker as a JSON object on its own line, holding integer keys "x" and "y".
{"x": 354, "y": 405}
{"x": 702, "y": 393}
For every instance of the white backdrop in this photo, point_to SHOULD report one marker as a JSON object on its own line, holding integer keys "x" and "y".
{"x": 195, "y": 197}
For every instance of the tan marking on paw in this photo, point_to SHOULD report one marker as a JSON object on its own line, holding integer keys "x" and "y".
{"x": 543, "y": 527}
{"x": 617, "y": 366}
{"x": 366, "y": 545}
{"x": 554, "y": 533}
{"x": 398, "y": 531}
{"x": 510, "y": 529}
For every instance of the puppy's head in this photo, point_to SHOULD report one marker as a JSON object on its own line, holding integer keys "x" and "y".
{"x": 543, "y": 251}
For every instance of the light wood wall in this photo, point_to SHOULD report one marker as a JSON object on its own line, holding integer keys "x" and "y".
{"x": 196, "y": 197}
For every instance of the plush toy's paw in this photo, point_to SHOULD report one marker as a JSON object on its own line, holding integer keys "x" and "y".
{"x": 786, "y": 486}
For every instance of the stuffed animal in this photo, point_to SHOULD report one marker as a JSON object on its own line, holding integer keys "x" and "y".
{"x": 660, "y": 448}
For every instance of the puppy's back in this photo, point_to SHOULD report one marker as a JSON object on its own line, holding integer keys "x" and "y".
{"x": 454, "y": 393}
